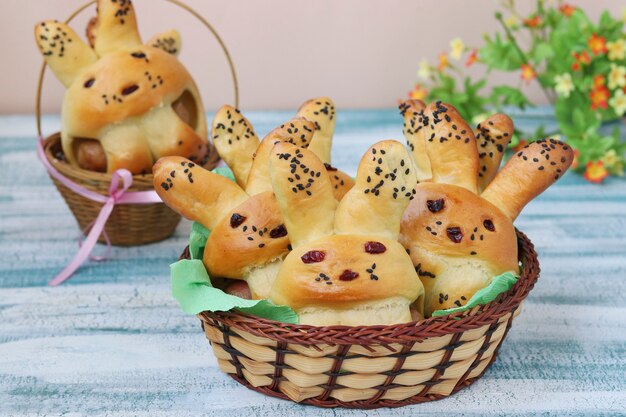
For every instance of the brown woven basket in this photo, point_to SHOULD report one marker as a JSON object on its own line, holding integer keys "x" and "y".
{"x": 368, "y": 366}
{"x": 129, "y": 224}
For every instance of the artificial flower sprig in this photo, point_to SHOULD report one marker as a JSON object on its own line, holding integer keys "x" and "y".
{"x": 580, "y": 66}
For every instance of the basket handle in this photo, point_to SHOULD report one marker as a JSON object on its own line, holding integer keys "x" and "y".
{"x": 175, "y": 2}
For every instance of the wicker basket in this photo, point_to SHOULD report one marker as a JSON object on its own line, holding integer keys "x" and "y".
{"x": 368, "y": 366}
{"x": 129, "y": 224}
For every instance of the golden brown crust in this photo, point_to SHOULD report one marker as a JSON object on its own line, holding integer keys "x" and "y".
{"x": 326, "y": 283}
{"x": 451, "y": 146}
{"x": 169, "y": 41}
{"x": 297, "y": 131}
{"x": 304, "y": 192}
{"x": 321, "y": 111}
{"x": 235, "y": 141}
{"x": 62, "y": 49}
{"x": 249, "y": 235}
{"x": 385, "y": 183}
{"x": 90, "y": 31}
{"x": 437, "y": 208}
{"x": 116, "y": 26}
{"x": 457, "y": 241}
{"x": 341, "y": 182}
{"x": 414, "y": 132}
{"x": 195, "y": 192}
{"x": 527, "y": 174}
{"x": 492, "y": 138}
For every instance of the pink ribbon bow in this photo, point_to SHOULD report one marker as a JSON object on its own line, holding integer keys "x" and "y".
{"x": 117, "y": 195}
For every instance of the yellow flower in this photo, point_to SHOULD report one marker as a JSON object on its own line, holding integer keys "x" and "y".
{"x": 425, "y": 70}
{"x": 595, "y": 172}
{"x": 618, "y": 102}
{"x": 617, "y": 77}
{"x": 456, "y": 48}
{"x": 563, "y": 85}
{"x": 617, "y": 49}
{"x": 511, "y": 22}
{"x": 443, "y": 61}
{"x": 418, "y": 92}
{"x": 610, "y": 158}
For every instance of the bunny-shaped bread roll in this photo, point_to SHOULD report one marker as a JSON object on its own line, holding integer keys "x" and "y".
{"x": 346, "y": 266}
{"x": 321, "y": 111}
{"x": 127, "y": 103}
{"x": 248, "y": 236}
{"x": 460, "y": 240}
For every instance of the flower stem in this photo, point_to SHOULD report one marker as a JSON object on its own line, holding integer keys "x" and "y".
{"x": 521, "y": 53}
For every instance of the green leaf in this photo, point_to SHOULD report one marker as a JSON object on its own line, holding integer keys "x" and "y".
{"x": 501, "y": 283}
{"x": 192, "y": 288}
{"x": 541, "y": 52}
{"x": 500, "y": 54}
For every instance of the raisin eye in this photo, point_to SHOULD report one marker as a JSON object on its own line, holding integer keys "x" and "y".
{"x": 130, "y": 89}
{"x": 435, "y": 206}
{"x": 489, "y": 225}
{"x": 89, "y": 82}
{"x": 375, "y": 247}
{"x": 348, "y": 275}
{"x": 278, "y": 231}
{"x": 455, "y": 234}
{"x": 138, "y": 55}
{"x": 313, "y": 256}
{"x": 236, "y": 219}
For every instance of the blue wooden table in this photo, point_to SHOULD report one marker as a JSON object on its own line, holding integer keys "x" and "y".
{"x": 112, "y": 341}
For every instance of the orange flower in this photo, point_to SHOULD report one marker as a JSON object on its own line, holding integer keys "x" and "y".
{"x": 575, "y": 160}
{"x": 599, "y": 81}
{"x": 473, "y": 57}
{"x": 443, "y": 61}
{"x": 581, "y": 58}
{"x": 418, "y": 92}
{"x": 533, "y": 21}
{"x": 597, "y": 44}
{"x": 567, "y": 9}
{"x": 595, "y": 172}
{"x": 522, "y": 143}
{"x": 599, "y": 97}
{"x": 528, "y": 73}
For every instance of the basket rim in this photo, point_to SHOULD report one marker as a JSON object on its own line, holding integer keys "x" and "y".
{"x": 403, "y": 333}
{"x": 140, "y": 181}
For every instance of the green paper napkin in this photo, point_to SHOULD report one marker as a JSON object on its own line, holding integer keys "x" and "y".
{"x": 192, "y": 288}
{"x": 225, "y": 172}
{"x": 499, "y": 284}
{"x": 197, "y": 240}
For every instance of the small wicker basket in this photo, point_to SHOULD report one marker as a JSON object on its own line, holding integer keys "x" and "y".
{"x": 129, "y": 224}
{"x": 368, "y": 366}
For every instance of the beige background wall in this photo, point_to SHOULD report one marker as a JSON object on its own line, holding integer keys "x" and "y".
{"x": 363, "y": 53}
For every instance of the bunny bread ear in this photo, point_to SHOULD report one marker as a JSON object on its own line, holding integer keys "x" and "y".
{"x": 414, "y": 131}
{"x": 168, "y": 41}
{"x": 116, "y": 26}
{"x": 304, "y": 192}
{"x": 321, "y": 111}
{"x": 492, "y": 137}
{"x": 451, "y": 146}
{"x": 235, "y": 141}
{"x": 297, "y": 131}
{"x": 194, "y": 192}
{"x": 65, "y": 53}
{"x": 527, "y": 174}
{"x": 385, "y": 183}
